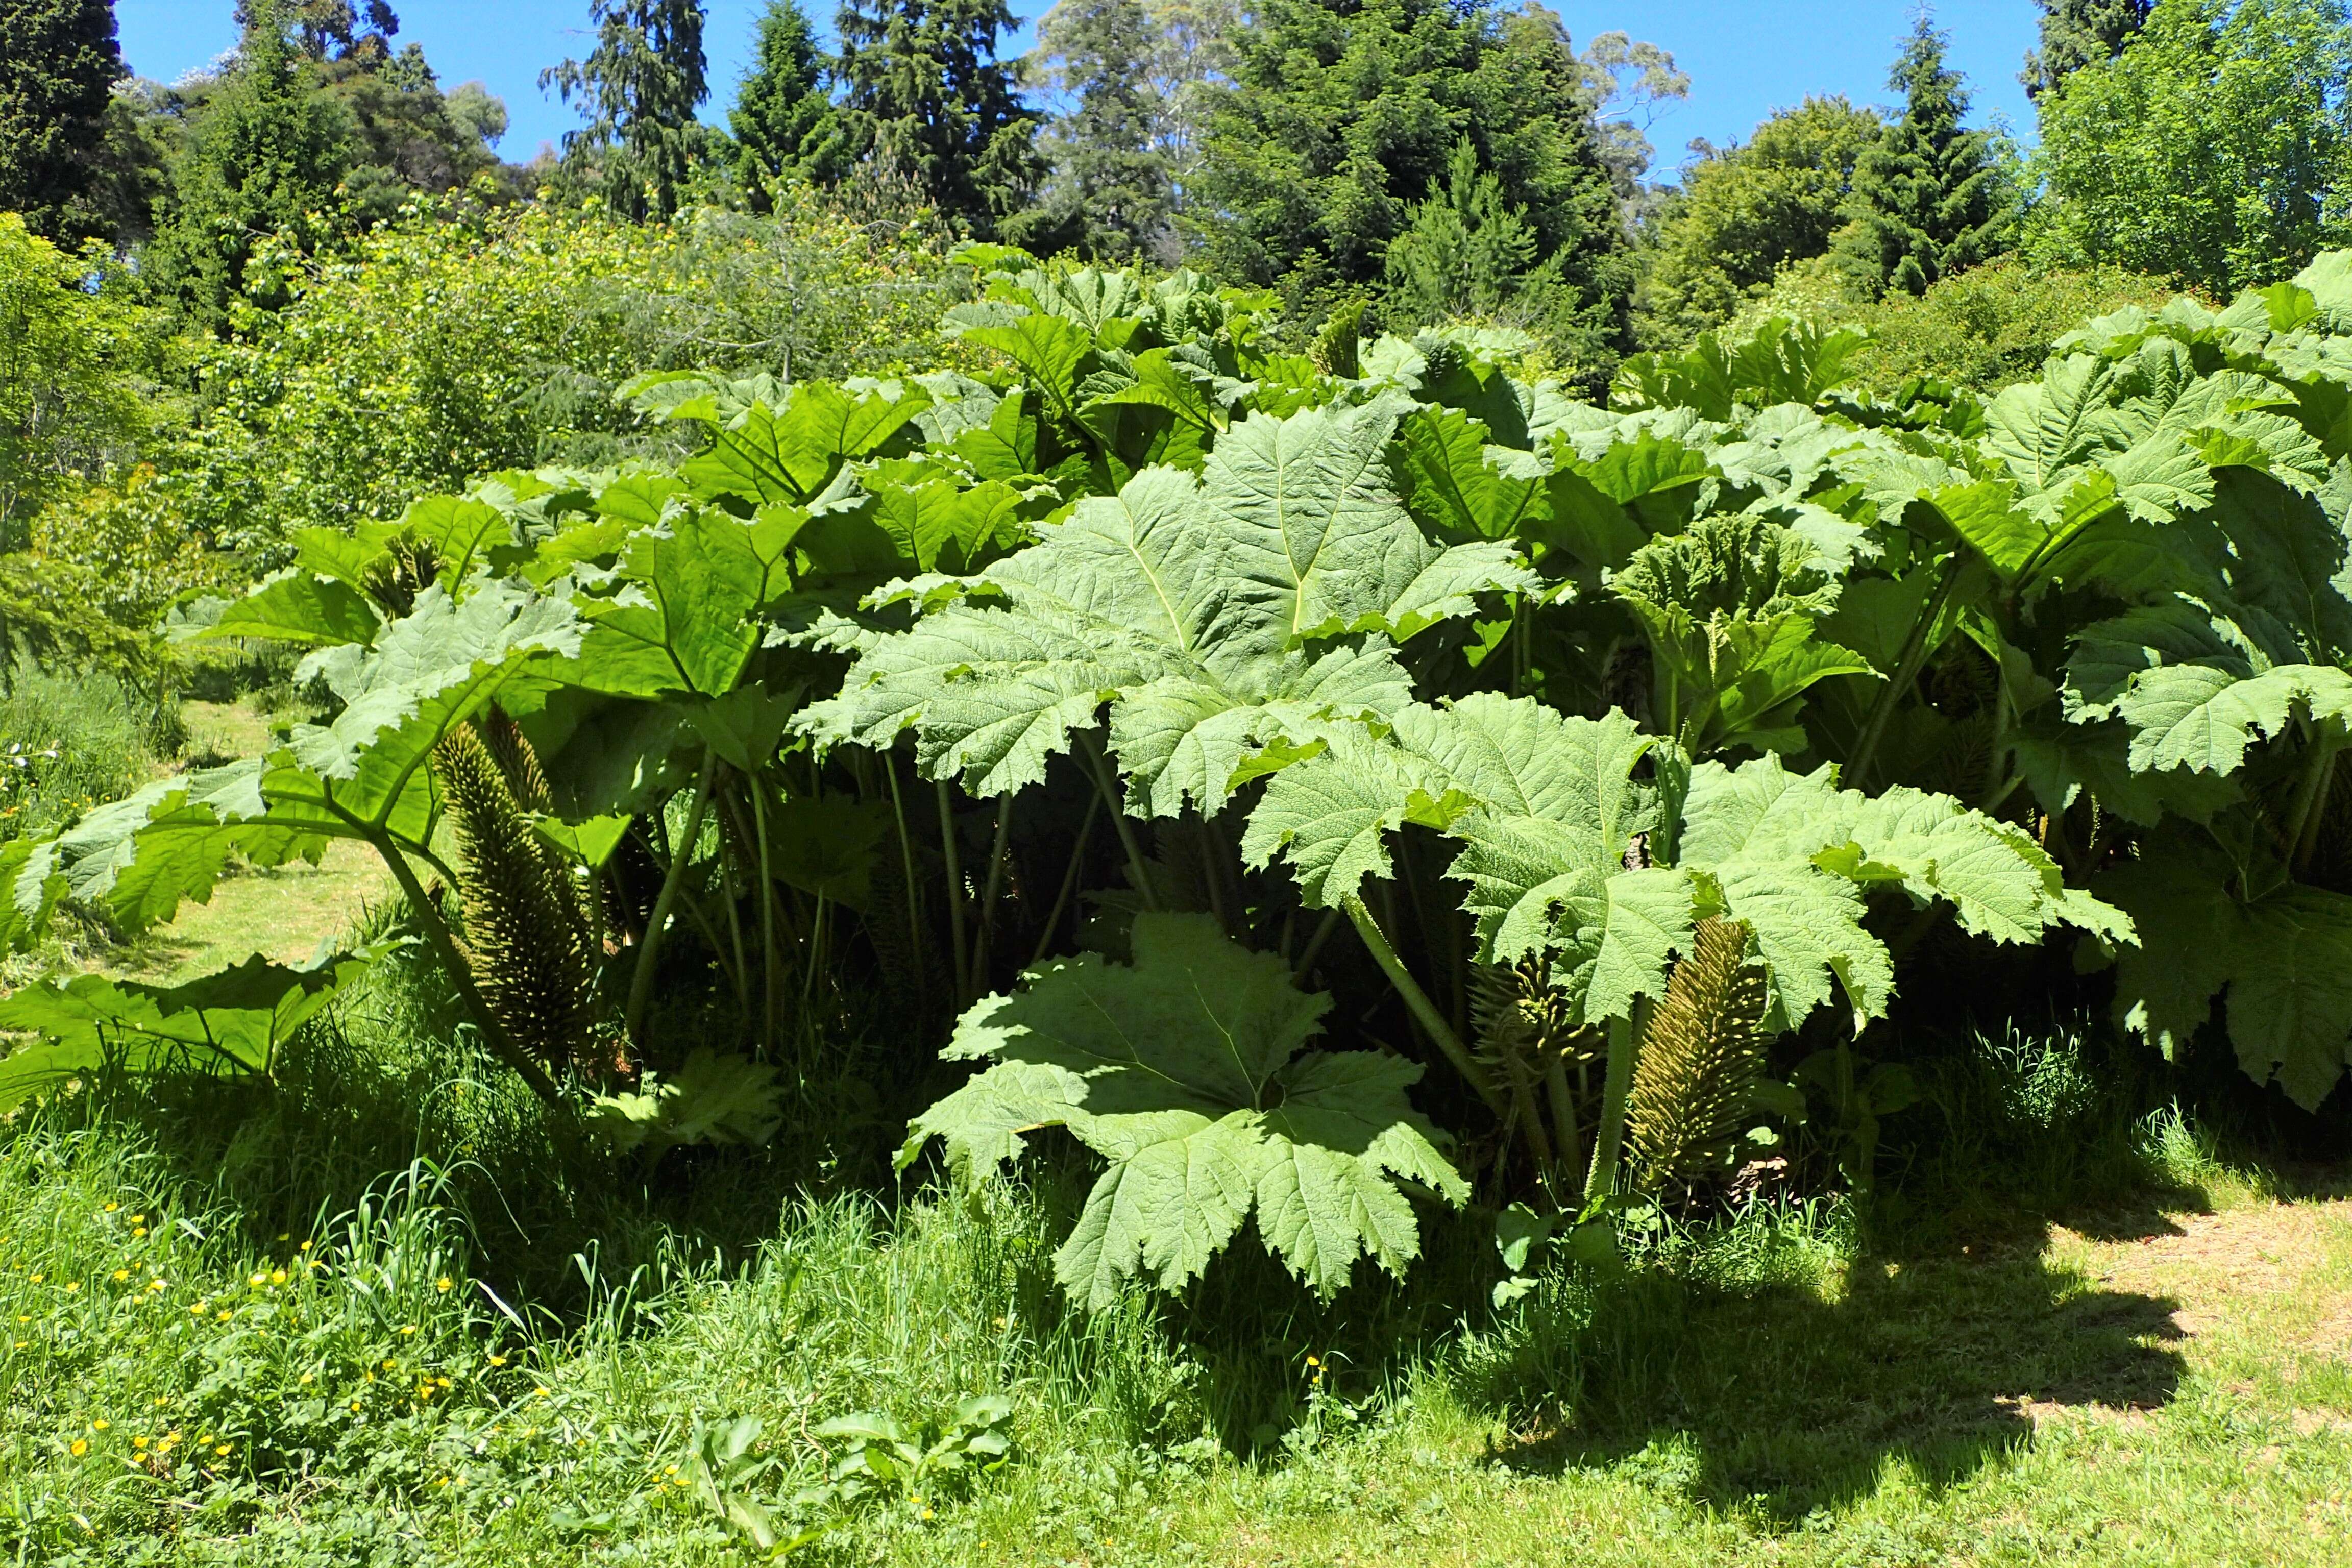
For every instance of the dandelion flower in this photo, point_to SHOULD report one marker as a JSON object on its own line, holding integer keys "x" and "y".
{"x": 111, "y": 1208}
{"x": 221, "y": 1452}
{"x": 278, "y": 1276}
{"x": 441, "y": 1284}
{"x": 137, "y": 1231}
{"x": 154, "y": 1285}
{"x": 123, "y": 1274}
{"x": 139, "y": 1442}
{"x": 100, "y": 1425}
{"x": 258, "y": 1279}
{"x": 223, "y": 1316}
{"x": 498, "y": 1361}
{"x": 36, "y": 1279}
{"x": 80, "y": 1447}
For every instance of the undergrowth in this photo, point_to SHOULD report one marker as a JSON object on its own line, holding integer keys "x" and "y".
{"x": 383, "y": 1310}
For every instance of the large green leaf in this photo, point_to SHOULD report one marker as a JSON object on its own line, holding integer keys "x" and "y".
{"x": 1556, "y": 824}
{"x": 1458, "y": 485}
{"x": 2283, "y": 963}
{"x": 2196, "y": 686}
{"x": 1729, "y": 607}
{"x": 1209, "y": 612}
{"x": 1185, "y": 1071}
{"x": 233, "y": 1022}
{"x": 764, "y": 456}
{"x": 362, "y": 776}
{"x": 686, "y": 616}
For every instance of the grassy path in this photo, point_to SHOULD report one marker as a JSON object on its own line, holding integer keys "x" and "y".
{"x": 282, "y": 914}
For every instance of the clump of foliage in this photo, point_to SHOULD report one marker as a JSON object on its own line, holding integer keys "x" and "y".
{"x": 1744, "y": 213}
{"x": 79, "y": 362}
{"x": 464, "y": 341}
{"x": 1159, "y": 683}
{"x": 2215, "y": 146}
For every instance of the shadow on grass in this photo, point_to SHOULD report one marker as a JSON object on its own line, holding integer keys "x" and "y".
{"x": 1782, "y": 1402}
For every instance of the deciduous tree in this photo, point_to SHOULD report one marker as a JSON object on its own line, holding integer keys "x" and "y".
{"x": 2216, "y": 148}
{"x": 1747, "y": 212}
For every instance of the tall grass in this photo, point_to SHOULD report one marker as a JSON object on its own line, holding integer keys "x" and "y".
{"x": 70, "y": 740}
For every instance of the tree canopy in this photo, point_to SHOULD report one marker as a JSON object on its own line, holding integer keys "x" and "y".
{"x": 926, "y": 101}
{"x": 2077, "y": 33}
{"x": 1112, "y": 194}
{"x": 782, "y": 120}
{"x": 2216, "y": 148}
{"x": 1342, "y": 120}
{"x": 640, "y": 86}
{"x": 58, "y": 60}
{"x": 1746, "y": 212}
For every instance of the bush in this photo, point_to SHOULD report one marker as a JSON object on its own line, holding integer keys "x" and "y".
{"x": 460, "y": 341}
{"x": 1980, "y": 330}
{"x": 69, "y": 741}
{"x": 77, "y": 361}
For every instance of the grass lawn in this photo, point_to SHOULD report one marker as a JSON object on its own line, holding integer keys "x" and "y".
{"x": 2158, "y": 1383}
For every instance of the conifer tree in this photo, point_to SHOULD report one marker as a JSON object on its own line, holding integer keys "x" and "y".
{"x": 58, "y": 60}
{"x": 1112, "y": 195}
{"x": 926, "y": 101}
{"x": 2078, "y": 33}
{"x": 1467, "y": 251}
{"x": 265, "y": 157}
{"x": 1929, "y": 198}
{"x": 1342, "y": 120}
{"x": 782, "y": 120}
{"x": 640, "y": 86}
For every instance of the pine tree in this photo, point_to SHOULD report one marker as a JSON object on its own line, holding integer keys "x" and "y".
{"x": 1929, "y": 198}
{"x": 784, "y": 120}
{"x": 1112, "y": 195}
{"x": 1343, "y": 117}
{"x": 927, "y": 100}
{"x": 58, "y": 60}
{"x": 1465, "y": 252}
{"x": 640, "y": 86}
{"x": 2078, "y": 33}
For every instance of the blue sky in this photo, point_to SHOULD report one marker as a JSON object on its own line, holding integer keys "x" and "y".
{"x": 1744, "y": 58}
